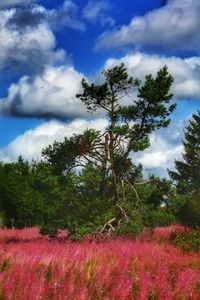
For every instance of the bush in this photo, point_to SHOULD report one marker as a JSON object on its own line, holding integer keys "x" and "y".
{"x": 159, "y": 217}
{"x": 81, "y": 232}
{"x": 189, "y": 241}
{"x": 189, "y": 213}
{"x": 48, "y": 230}
{"x": 133, "y": 227}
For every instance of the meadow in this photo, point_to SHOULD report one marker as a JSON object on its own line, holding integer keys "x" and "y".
{"x": 35, "y": 267}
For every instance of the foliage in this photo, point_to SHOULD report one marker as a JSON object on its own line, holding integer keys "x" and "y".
{"x": 189, "y": 241}
{"x": 108, "y": 174}
{"x": 133, "y": 226}
{"x": 187, "y": 173}
{"x": 156, "y": 192}
{"x": 159, "y": 217}
{"x": 74, "y": 201}
{"x": 128, "y": 126}
{"x": 18, "y": 199}
{"x": 189, "y": 212}
{"x": 75, "y": 151}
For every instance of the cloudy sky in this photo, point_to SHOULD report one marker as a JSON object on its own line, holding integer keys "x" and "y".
{"x": 47, "y": 47}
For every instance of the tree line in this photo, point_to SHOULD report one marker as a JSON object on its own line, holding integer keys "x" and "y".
{"x": 109, "y": 194}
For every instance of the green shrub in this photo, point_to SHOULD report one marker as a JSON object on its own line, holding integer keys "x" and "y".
{"x": 159, "y": 217}
{"x": 49, "y": 230}
{"x": 82, "y": 231}
{"x": 130, "y": 229}
{"x": 189, "y": 213}
{"x": 187, "y": 241}
{"x": 129, "y": 218}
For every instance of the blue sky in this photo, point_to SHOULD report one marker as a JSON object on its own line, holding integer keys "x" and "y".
{"x": 48, "y": 46}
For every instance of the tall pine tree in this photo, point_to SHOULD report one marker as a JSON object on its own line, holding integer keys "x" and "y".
{"x": 129, "y": 126}
{"x": 187, "y": 174}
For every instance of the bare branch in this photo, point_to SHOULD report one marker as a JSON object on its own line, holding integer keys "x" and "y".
{"x": 143, "y": 182}
{"x": 138, "y": 199}
{"x": 123, "y": 213}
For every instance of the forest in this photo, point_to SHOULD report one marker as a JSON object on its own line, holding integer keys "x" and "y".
{"x": 89, "y": 185}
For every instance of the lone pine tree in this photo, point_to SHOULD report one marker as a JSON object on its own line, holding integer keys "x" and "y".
{"x": 128, "y": 127}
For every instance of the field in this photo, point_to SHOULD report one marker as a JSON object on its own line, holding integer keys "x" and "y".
{"x": 34, "y": 267}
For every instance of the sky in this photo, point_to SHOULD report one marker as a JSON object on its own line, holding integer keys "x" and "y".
{"x": 47, "y": 47}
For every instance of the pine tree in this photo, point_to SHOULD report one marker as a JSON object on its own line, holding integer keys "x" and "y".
{"x": 129, "y": 126}
{"x": 187, "y": 174}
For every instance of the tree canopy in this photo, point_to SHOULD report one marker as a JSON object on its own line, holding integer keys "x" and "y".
{"x": 128, "y": 127}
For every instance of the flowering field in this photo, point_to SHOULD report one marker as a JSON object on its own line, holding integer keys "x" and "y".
{"x": 33, "y": 267}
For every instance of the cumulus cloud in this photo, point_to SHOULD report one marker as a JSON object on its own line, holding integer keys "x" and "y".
{"x": 50, "y": 94}
{"x": 31, "y": 143}
{"x": 65, "y": 15}
{"x": 13, "y": 3}
{"x": 186, "y": 72}
{"x": 159, "y": 160}
{"x": 96, "y": 11}
{"x": 22, "y": 18}
{"x": 166, "y": 146}
{"x": 27, "y": 49}
{"x": 173, "y": 26}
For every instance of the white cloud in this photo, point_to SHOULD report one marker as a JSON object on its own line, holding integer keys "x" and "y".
{"x": 174, "y": 26}
{"x": 10, "y": 3}
{"x": 29, "y": 48}
{"x": 3, "y": 157}
{"x": 159, "y": 160}
{"x": 186, "y": 72}
{"x": 165, "y": 146}
{"x": 50, "y": 94}
{"x": 160, "y": 154}
{"x": 31, "y": 143}
{"x": 65, "y": 15}
{"x": 95, "y": 11}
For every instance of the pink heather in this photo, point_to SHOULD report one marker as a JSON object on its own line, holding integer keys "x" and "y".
{"x": 34, "y": 267}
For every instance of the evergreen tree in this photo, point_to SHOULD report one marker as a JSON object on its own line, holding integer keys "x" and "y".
{"x": 129, "y": 126}
{"x": 128, "y": 129}
{"x": 187, "y": 174}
